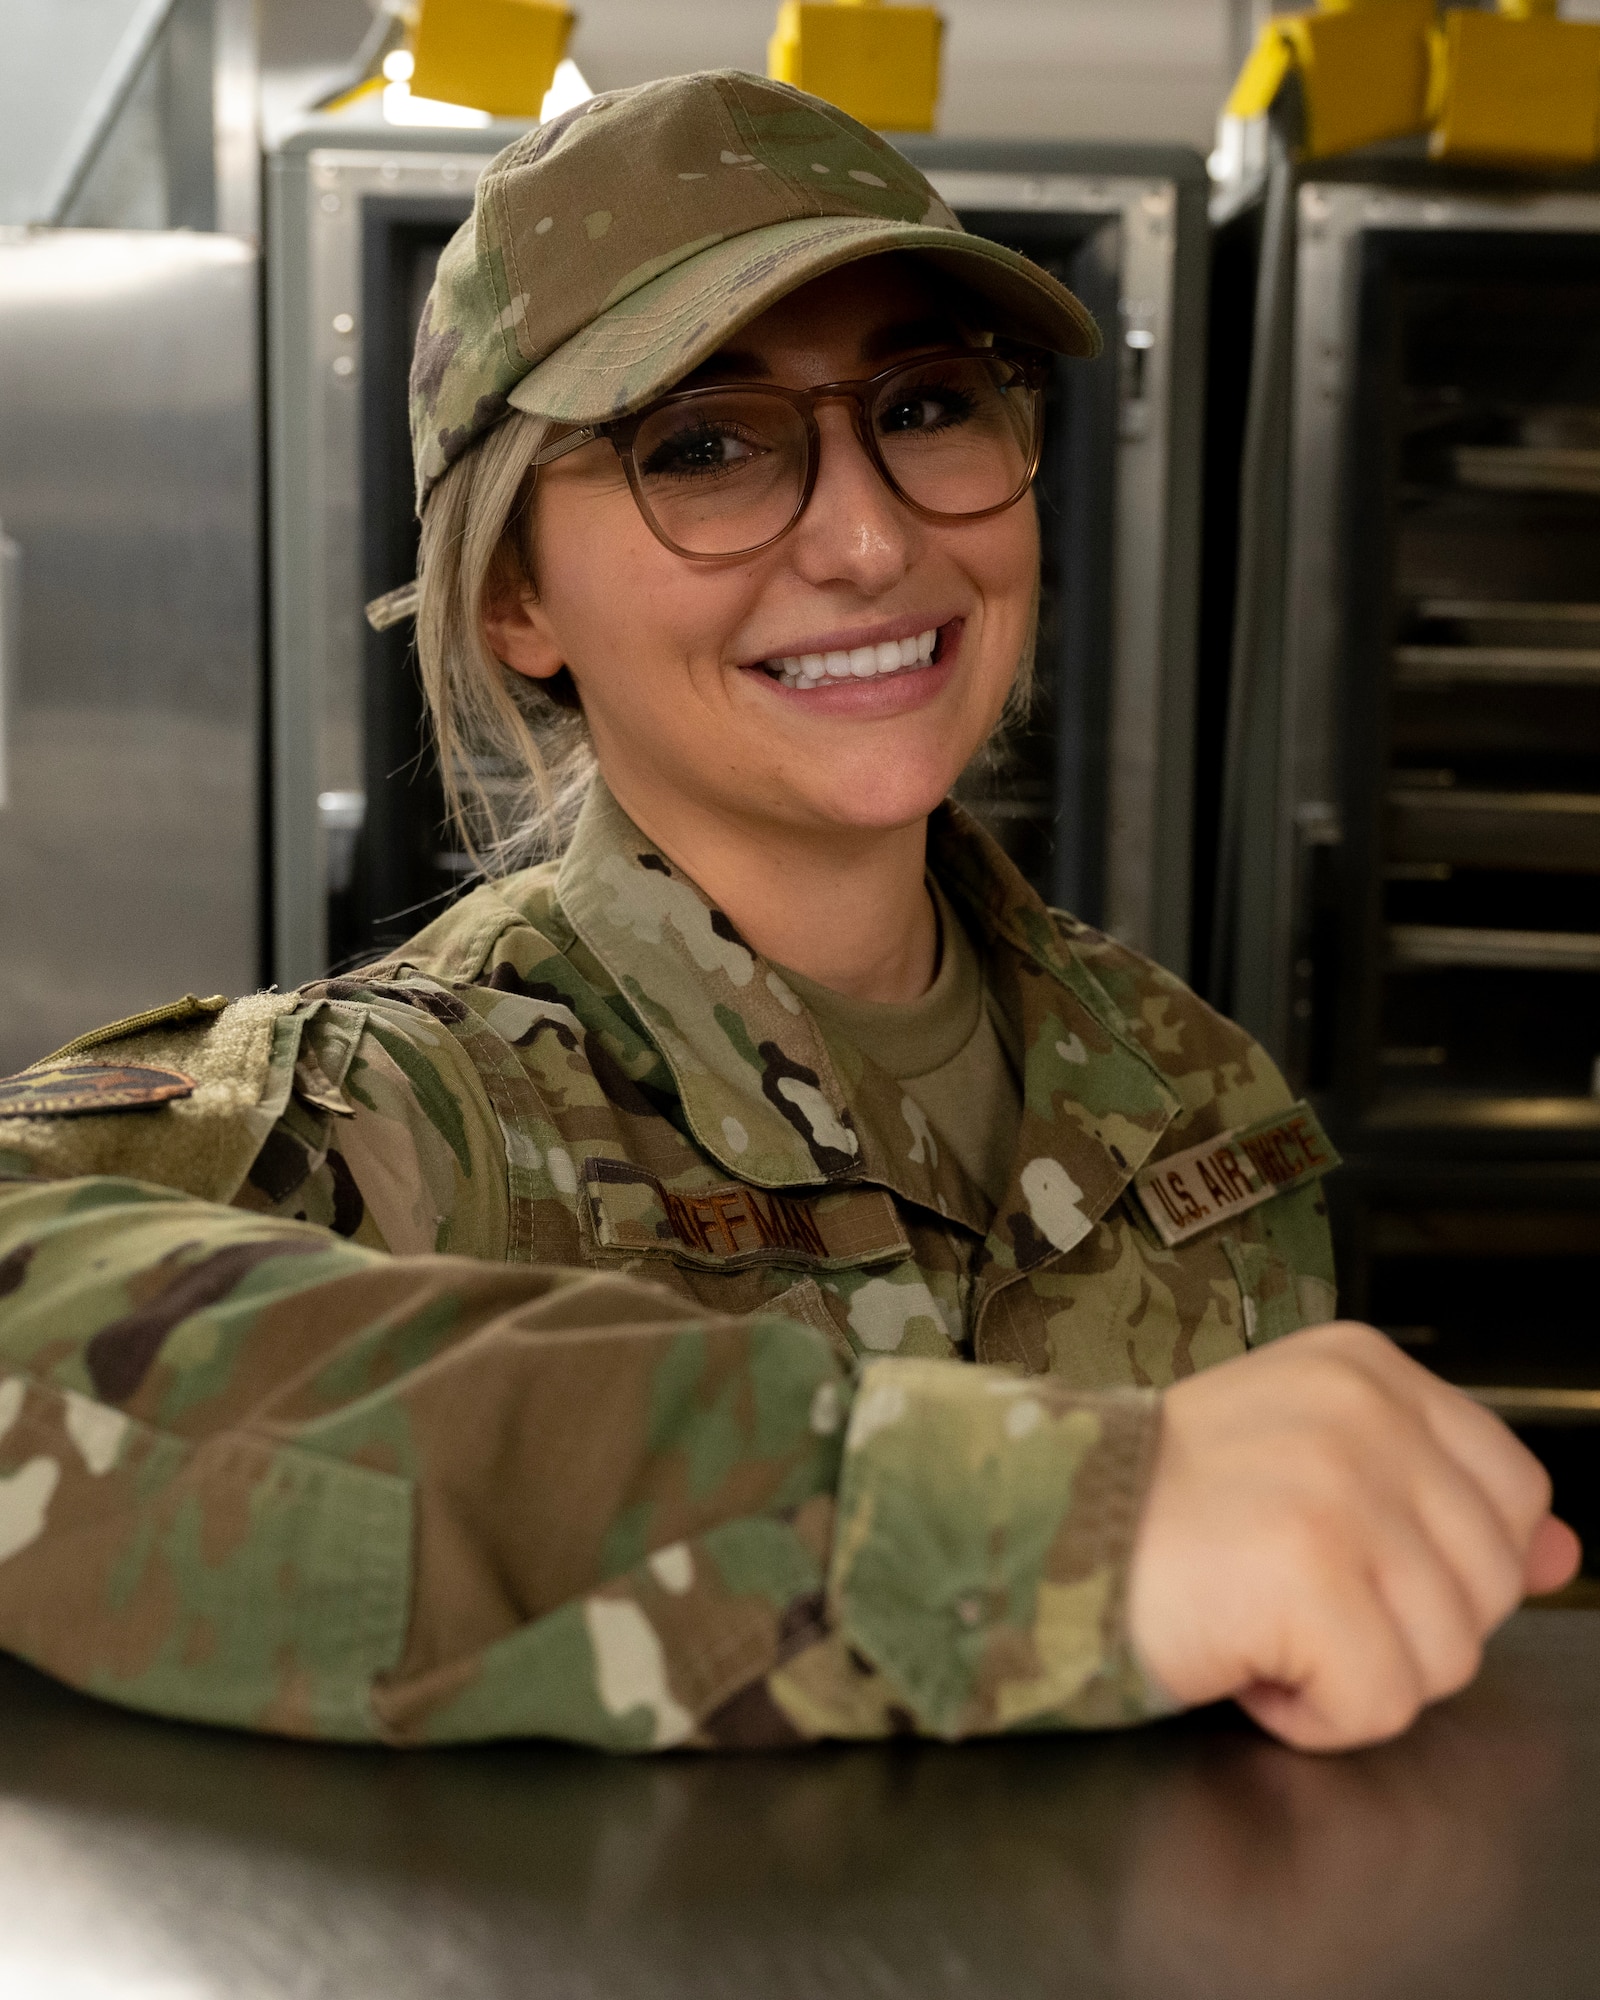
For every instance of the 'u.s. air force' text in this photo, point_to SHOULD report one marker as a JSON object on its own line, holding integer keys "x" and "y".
{"x": 1189, "y": 1192}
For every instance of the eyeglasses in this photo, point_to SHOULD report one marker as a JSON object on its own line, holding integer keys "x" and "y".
{"x": 727, "y": 470}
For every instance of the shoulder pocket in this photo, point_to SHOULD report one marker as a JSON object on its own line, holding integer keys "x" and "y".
{"x": 239, "y": 1064}
{"x": 1282, "y": 1259}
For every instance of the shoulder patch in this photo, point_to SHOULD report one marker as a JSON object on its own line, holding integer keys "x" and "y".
{"x": 65, "y": 1090}
{"x": 1189, "y": 1192}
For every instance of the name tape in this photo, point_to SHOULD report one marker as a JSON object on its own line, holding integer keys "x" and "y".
{"x": 1220, "y": 1177}
{"x": 632, "y": 1210}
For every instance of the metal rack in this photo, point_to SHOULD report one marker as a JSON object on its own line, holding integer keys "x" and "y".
{"x": 1417, "y": 864}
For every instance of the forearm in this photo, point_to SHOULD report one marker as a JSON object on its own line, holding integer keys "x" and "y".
{"x": 256, "y": 1475}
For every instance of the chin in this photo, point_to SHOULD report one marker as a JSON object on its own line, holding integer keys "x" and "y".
{"x": 878, "y": 805}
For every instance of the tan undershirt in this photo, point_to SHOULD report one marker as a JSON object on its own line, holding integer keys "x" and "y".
{"x": 943, "y": 1049}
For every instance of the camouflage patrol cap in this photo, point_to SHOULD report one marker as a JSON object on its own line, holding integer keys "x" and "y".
{"x": 613, "y": 249}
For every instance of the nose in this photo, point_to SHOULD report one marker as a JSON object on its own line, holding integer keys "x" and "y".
{"x": 855, "y": 529}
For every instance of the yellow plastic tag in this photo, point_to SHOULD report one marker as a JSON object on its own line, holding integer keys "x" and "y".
{"x": 497, "y": 56}
{"x": 1363, "y": 71}
{"x": 879, "y": 63}
{"x": 1265, "y": 68}
{"x": 1516, "y": 91}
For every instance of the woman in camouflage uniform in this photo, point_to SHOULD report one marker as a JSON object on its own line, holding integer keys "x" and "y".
{"x": 567, "y": 1325}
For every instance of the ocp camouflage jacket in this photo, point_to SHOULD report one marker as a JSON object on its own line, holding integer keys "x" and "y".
{"x": 545, "y": 1332}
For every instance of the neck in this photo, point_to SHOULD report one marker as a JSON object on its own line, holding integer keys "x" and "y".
{"x": 847, "y": 908}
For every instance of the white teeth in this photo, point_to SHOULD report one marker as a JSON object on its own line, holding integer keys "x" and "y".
{"x": 863, "y": 663}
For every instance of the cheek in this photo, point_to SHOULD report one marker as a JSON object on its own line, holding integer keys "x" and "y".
{"x": 1013, "y": 571}
{"x": 624, "y": 610}
{"x": 1002, "y": 561}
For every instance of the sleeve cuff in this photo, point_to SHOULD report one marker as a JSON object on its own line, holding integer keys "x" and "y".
{"x": 980, "y": 1559}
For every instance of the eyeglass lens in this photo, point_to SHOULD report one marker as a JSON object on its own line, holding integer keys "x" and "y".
{"x": 725, "y": 471}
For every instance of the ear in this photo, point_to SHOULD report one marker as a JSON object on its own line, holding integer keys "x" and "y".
{"x": 517, "y": 629}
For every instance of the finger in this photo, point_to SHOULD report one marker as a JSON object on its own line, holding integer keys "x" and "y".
{"x": 1516, "y": 1484}
{"x": 1553, "y": 1557}
{"x": 1485, "y": 1449}
{"x": 1431, "y": 1608}
{"x": 1418, "y": 1483}
{"x": 1469, "y": 1534}
{"x": 1345, "y": 1677}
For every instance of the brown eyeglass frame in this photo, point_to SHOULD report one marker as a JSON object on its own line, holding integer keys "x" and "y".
{"x": 1032, "y": 364}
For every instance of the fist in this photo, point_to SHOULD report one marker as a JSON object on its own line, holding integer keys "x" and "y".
{"x": 1330, "y": 1534}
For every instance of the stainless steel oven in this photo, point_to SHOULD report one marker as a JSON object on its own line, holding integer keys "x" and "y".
{"x": 1093, "y": 799}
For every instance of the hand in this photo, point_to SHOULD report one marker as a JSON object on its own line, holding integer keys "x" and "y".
{"x": 1330, "y": 1534}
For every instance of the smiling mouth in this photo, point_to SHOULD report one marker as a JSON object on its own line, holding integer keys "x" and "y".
{"x": 861, "y": 663}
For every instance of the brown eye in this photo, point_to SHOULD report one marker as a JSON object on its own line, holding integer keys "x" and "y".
{"x": 701, "y": 451}
{"x": 929, "y": 407}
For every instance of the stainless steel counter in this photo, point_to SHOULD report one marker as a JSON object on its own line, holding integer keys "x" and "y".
{"x": 151, "y": 1860}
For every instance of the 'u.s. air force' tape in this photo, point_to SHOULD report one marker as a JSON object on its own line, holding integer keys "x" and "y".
{"x": 1220, "y": 1177}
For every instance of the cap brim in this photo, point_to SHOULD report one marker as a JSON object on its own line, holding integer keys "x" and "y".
{"x": 655, "y": 335}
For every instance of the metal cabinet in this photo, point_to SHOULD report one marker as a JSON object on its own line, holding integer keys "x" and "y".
{"x": 130, "y": 856}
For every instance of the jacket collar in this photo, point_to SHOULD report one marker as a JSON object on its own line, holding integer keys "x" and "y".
{"x": 764, "y": 1096}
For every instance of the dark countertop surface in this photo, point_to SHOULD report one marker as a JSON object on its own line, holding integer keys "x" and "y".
{"x": 159, "y": 1862}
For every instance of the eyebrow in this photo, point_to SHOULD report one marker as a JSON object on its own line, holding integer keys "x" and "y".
{"x": 906, "y": 337}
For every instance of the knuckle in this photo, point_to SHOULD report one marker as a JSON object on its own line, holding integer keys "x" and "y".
{"x": 1308, "y": 1547}
{"x": 1453, "y": 1662}
{"x": 1499, "y": 1592}
{"x": 1350, "y": 1393}
{"x": 1356, "y": 1341}
{"x": 1390, "y": 1708}
{"x": 1332, "y": 1491}
{"x": 1335, "y": 1465}
{"x": 1535, "y": 1491}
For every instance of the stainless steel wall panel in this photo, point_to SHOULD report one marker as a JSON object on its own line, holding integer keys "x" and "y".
{"x": 129, "y": 478}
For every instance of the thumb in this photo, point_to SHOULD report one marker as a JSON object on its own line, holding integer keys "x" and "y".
{"x": 1552, "y": 1559}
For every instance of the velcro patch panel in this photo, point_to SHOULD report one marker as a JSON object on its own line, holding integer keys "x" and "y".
{"x": 632, "y": 1210}
{"x": 1192, "y": 1191}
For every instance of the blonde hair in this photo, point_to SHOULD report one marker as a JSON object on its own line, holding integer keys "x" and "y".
{"x": 515, "y": 754}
